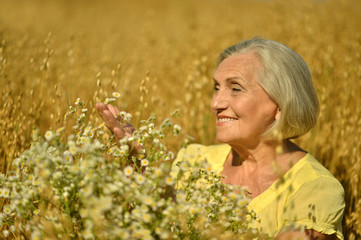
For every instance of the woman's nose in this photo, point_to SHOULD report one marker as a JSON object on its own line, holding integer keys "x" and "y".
{"x": 219, "y": 101}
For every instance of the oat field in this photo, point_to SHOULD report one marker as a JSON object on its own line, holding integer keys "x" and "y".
{"x": 159, "y": 55}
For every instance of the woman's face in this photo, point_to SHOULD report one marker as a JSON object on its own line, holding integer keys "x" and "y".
{"x": 243, "y": 110}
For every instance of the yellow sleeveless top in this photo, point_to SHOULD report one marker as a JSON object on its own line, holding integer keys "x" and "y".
{"x": 307, "y": 196}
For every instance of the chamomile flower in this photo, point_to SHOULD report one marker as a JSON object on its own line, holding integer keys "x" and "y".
{"x": 57, "y": 175}
{"x": 158, "y": 172}
{"x": 169, "y": 180}
{"x": 87, "y": 129}
{"x": 242, "y": 202}
{"x": 116, "y": 94}
{"x": 147, "y": 217}
{"x": 67, "y": 157}
{"x": 176, "y": 129}
{"x": 124, "y": 234}
{"x": 183, "y": 166}
{"x": 31, "y": 177}
{"x": 59, "y": 130}
{"x": 139, "y": 178}
{"x": 6, "y": 233}
{"x": 36, "y": 212}
{"x": 144, "y": 162}
{"x": 88, "y": 190}
{"x": 87, "y": 234}
{"x": 5, "y": 192}
{"x": 124, "y": 149}
{"x": 83, "y": 213}
{"x": 73, "y": 150}
{"x": 128, "y": 171}
{"x": 49, "y": 135}
{"x": 147, "y": 200}
{"x": 7, "y": 209}
{"x": 77, "y": 101}
{"x": 232, "y": 195}
{"x": 127, "y": 117}
{"x": 109, "y": 100}
{"x": 110, "y": 150}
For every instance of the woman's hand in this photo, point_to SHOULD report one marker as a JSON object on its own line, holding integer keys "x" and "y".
{"x": 112, "y": 120}
{"x": 309, "y": 234}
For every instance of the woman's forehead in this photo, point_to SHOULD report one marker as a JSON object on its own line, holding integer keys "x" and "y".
{"x": 242, "y": 65}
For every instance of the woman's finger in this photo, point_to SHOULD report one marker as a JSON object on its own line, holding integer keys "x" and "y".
{"x": 110, "y": 121}
{"x": 115, "y": 111}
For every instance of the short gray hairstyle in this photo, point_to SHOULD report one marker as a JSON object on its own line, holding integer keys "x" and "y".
{"x": 287, "y": 80}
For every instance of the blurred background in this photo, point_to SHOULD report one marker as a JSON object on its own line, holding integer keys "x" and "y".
{"x": 160, "y": 55}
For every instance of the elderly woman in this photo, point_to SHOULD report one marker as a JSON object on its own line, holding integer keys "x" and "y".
{"x": 264, "y": 97}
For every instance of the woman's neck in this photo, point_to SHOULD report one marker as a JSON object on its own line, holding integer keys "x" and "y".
{"x": 265, "y": 152}
{"x": 258, "y": 168}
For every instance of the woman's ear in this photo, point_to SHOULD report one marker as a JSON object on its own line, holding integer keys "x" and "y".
{"x": 278, "y": 113}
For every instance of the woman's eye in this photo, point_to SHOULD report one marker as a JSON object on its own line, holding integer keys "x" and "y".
{"x": 216, "y": 88}
{"x": 236, "y": 89}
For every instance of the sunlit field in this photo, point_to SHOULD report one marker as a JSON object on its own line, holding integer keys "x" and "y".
{"x": 157, "y": 57}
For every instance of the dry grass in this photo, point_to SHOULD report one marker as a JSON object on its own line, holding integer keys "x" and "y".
{"x": 97, "y": 47}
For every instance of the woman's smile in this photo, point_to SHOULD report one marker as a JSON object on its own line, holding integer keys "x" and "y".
{"x": 223, "y": 120}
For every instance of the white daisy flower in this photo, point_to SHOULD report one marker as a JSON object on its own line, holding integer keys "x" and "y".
{"x": 124, "y": 149}
{"x": 88, "y": 190}
{"x": 176, "y": 129}
{"x": 6, "y": 233}
{"x": 128, "y": 117}
{"x": 116, "y": 94}
{"x": 139, "y": 178}
{"x": 57, "y": 175}
{"x": 109, "y": 100}
{"x": 77, "y": 101}
{"x": 169, "y": 180}
{"x": 144, "y": 162}
{"x": 147, "y": 217}
{"x": 73, "y": 150}
{"x": 128, "y": 171}
{"x": 67, "y": 156}
{"x": 87, "y": 234}
{"x": 59, "y": 130}
{"x": 148, "y": 200}
{"x": 5, "y": 192}
{"x": 7, "y": 209}
{"x": 49, "y": 135}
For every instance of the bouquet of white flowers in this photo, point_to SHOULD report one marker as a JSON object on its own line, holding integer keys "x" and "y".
{"x": 86, "y": 186}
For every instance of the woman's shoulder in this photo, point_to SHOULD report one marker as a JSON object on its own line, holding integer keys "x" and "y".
{"x": 309, "y": 170}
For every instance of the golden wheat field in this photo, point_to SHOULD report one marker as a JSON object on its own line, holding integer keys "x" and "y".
{"x": 160, "y": 55}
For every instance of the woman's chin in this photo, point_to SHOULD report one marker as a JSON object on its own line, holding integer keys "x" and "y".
{"x": 223, "y": 139}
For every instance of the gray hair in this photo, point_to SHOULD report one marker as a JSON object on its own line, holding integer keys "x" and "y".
{"x": 287, "y": 80}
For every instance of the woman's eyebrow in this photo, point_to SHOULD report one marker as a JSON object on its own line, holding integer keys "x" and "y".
{"x": 229, "y": 79}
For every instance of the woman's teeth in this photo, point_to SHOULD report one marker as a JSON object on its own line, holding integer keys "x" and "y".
{"x": 225, "y": 119}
